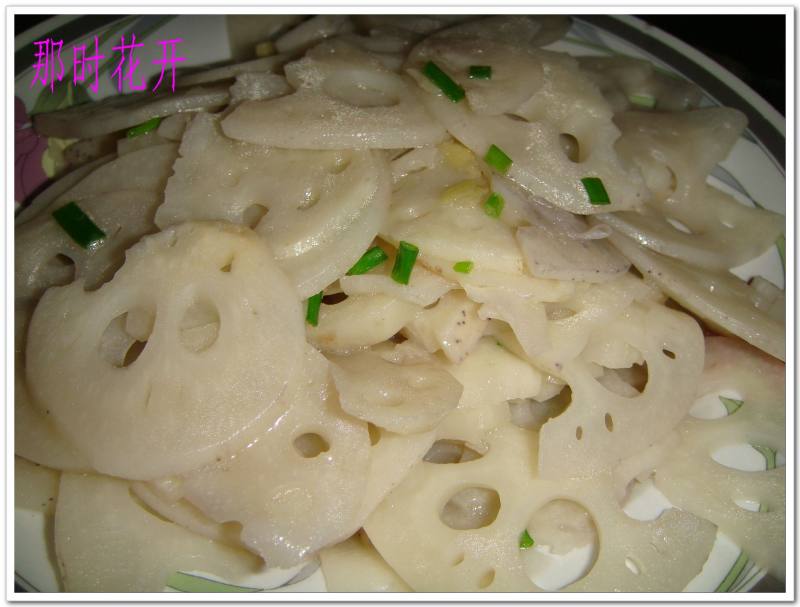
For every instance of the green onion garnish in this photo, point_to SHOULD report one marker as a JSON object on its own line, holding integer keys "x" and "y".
{"x": 480, "y": 72}
{"x": 145, "y": 127}
{"x": 731, "y": 404}
{"x": 404, "y": 262}
{"x": 78, "y": 225}
{"x": 312, "y": 311}
{"x": 770, "y": 455}
{"x": 497, "y": 159}
{"x": 525, "y": 540}
{"x": 493, "y": 205}
{"x": 464, "y": 267}
{"x": 647, "y": 101}
{"x": 371, "y": 259}
{"x": 445, "y": 83}
{"x": 596, "y": 190}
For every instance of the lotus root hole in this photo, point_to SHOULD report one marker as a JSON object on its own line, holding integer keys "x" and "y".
{"x": 310, "y": 445}
{"x": 199, "y": 327}
{"x": 58, "y": 270}
{"x": 125, "y": 337}
{"x": 566, "y": 544}
{"x": 668, "y": 353}
{"x": 609, "y": 422}
{"x": 579, "y": 432}
{"x": 570, "y": 146}
{"x": 471, "y": 508}
{"x": 253, "y": 215}
{"x": 458, "y": 560}
{"x": 374, "y": 433}
{"x": 446, "y": 451}
{"x": 486, "y": 579}
{"x": 749, "y": 458}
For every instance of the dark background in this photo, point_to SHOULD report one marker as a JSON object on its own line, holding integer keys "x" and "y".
{"x": 751, "y": 46}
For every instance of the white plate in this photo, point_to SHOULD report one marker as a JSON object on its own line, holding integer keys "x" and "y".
{"x": 753, "y": 171}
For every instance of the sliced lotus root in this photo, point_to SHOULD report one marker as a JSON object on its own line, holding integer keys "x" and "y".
{"x": 402, "y": 398}
{"x": 567, "y": 104}
{"x": 360, "y": 321}
{"x": 457, "y": 527}
{"x": 713, "y": 230}
{"x": 526, "y": 30}
{"x": 491, "y": 374}
{"x": 601, "y": 427}
{"x": 270, "y": 64}
{"x": 721, "y": 299}
{"x": 183, "y": 513}
{"x": 355, "y": 566}
{"x": 627, "y": 82}
{"x": 694, "y": 481}
{"x": 344, "y": 98}
{"x": 124, "y": 111}
{"x": 452, "y": 325}
{"x": 54, "y": 190}
{"x": 188, "y": 348}
{"x": 36, "y": 436}
{"x": 319, "y": 210}
{"x": 455, "y": 233}
{"x": 257, "y": 86}
{"x": 46, "y": 255}
{"x": 676, "y": 151}
{"x": 424, "y": 287}
{"x": 35, "y": 487}
{"x": 107, "y": 541}
{"x": 299, "y": 486}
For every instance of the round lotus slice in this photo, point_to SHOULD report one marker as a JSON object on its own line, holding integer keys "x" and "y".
{"x": 695, "y": 481}
{"x": 719, "y": 298}
{"x": 405, "y": 399}
{"x": 355, "y": 566}
{"x": 344, "y": 98}
{"x": 181, "y": 358}
{"x": 124, "y": 111}
{"x": 600, "y": 427}
{"x": 107, "y": 541}
{"x": 300, "y": 485}
{"x": 456, "y": 527}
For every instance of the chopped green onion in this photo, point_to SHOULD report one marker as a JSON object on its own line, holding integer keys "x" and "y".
{"x": 770, "y": 455}
{"x": 144, "y": 128}
{"x": 78, "y": 225}
{"x": 446, "y": 84}
{"x": 596, "y": 190}
{"x": 371, "y": 259}
{"x": 404, "y": 262}
{"x": 731, "y": 404}
{"x": 526, "y": 541}
{"x": 493, "y": 206}
{"x": 497, "y": 159}
{"x": 647, "y": 101}
{"x": 464, "y": 267}
{"x": 312, "y": 311}
{"x": 480, "y": 72}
